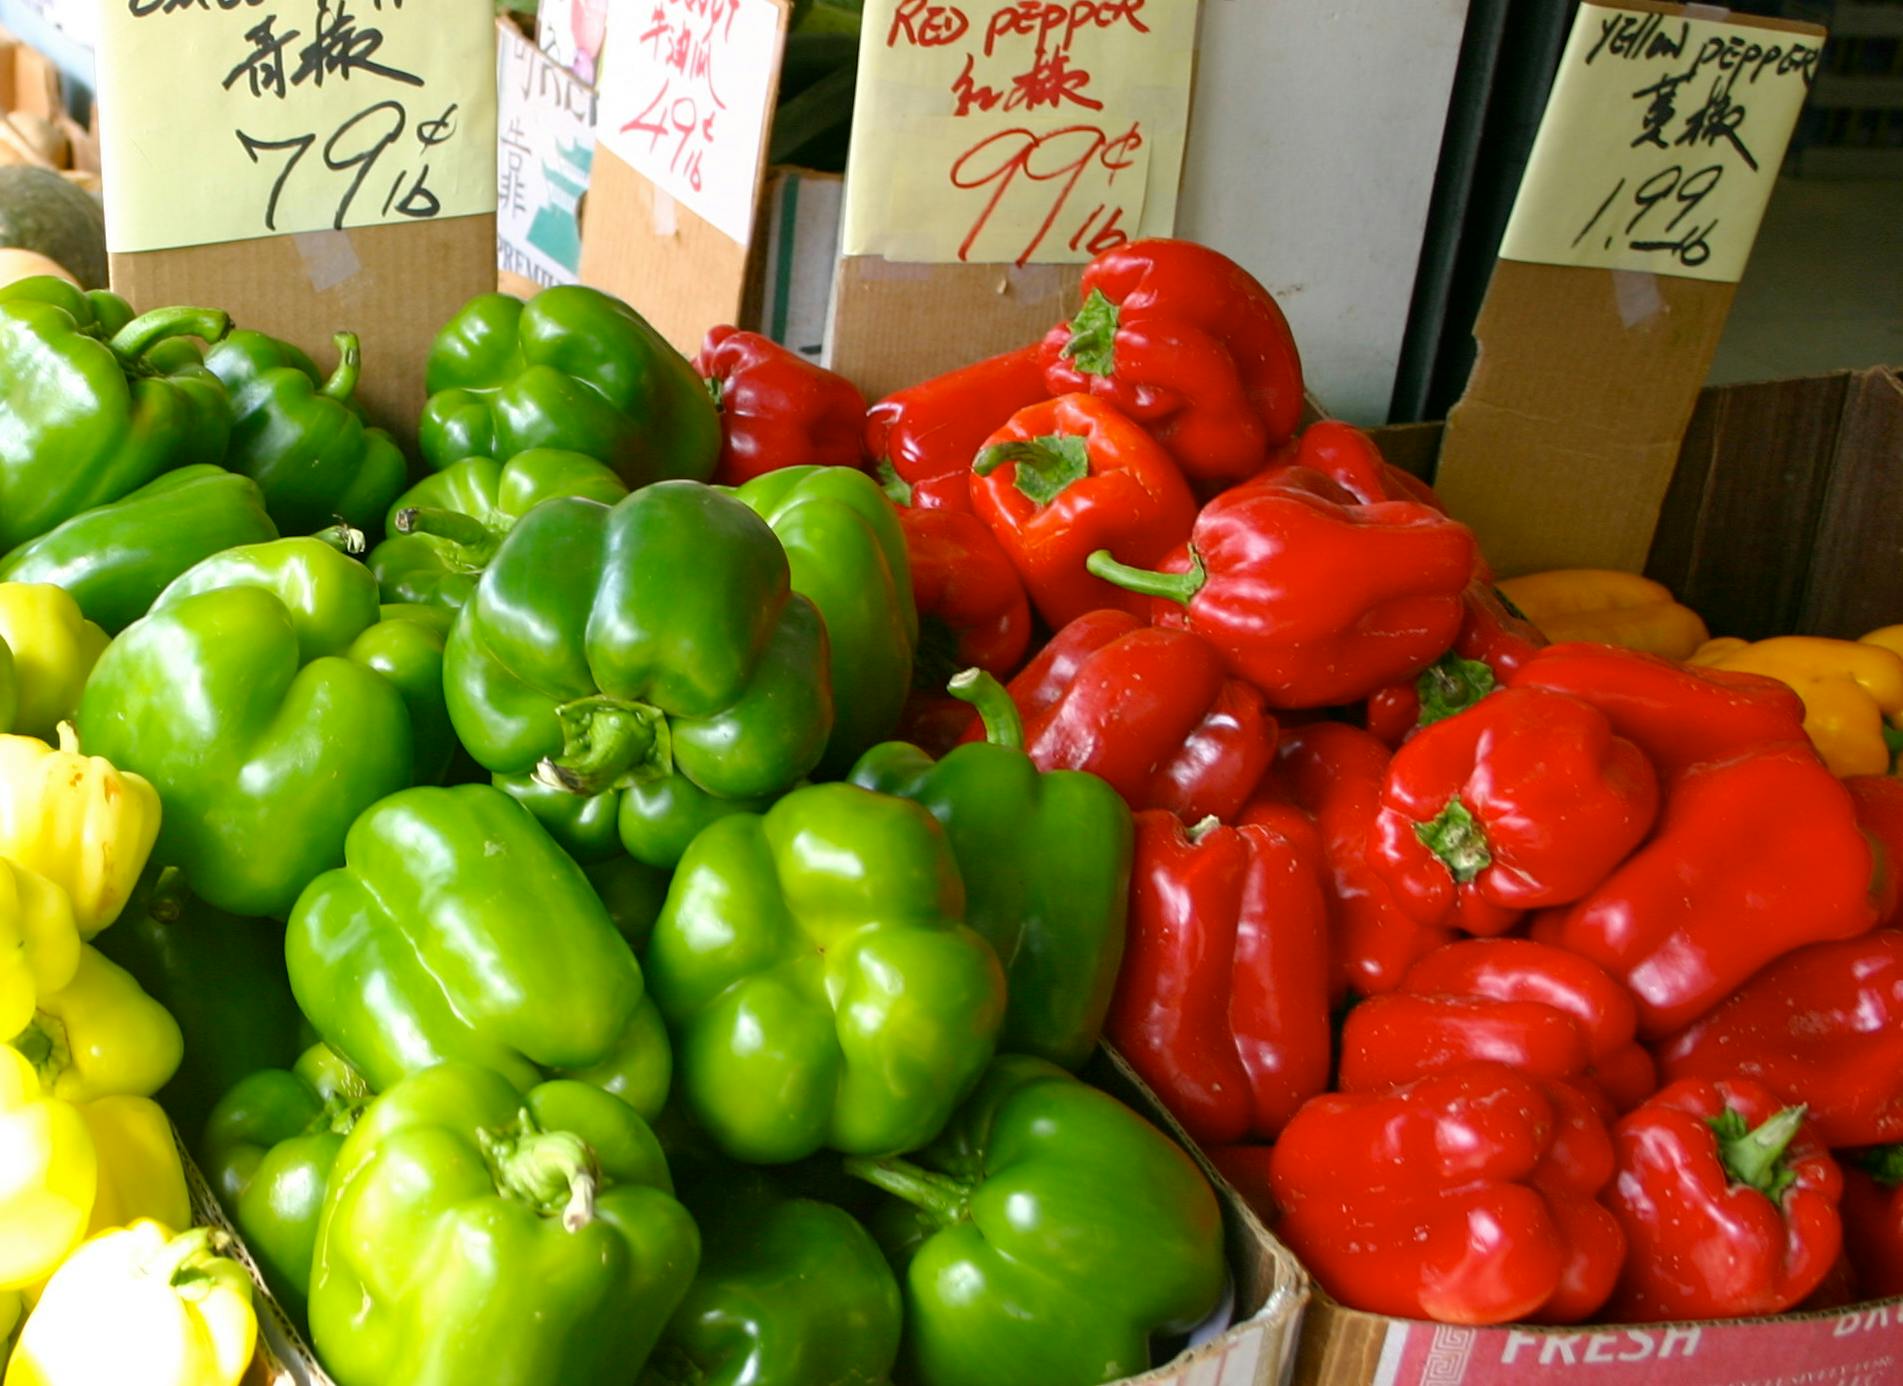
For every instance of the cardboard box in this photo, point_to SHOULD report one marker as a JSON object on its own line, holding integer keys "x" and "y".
{"x": 1257, "y": 1348}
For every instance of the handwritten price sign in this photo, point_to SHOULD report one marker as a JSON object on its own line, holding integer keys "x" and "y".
{"x": 685, "y": 91}
{"x": 1017, "y": 131}
{"x": 243, "y": 118}
{"x": 1661, "y": 142}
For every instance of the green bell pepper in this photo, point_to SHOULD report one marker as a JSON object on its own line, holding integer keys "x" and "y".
{"x": 817, "y": 979}
{"x": 301, "y": 437}
{"x": 458, "y": 930}
{"x": 248, "y": 701}
{"x": 1051, "y": 1234}
{"x": 847, "y": 555}
{"x": 221, "y": 976}
{"x": 574, "y": 369}
{"x": 791, "y": 1292}
{"x": 608, "y": 648}
{"x": 475, "y": 1234}
{"x": 85, "y": 416}
{"x": 1046, "y": 864}
{"x": 632, "y": 894}
{"x": 116, "y": 558}
{"x": 269, "y": 1146}
{"x": 448, "y": 525}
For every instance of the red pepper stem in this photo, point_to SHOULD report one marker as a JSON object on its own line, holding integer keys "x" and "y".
{"x": 716, "y": 387}
{"x": 939, "y": 1196}
{"x": 343, "y": 381}
{"x": 1046, "y": 466}
{"x": 1884, "y": 1163}
{"x": 466, "y": 532}
{"x": 607, "y": 744}
{"x": 1456, "y": 837}
{"x": 1755, "y": 1158}
{"x": 1003, "y": 726}
{"x": 1201, "y": 829}
{"x": 1175, "y": 587}
{"x": 146, "y": 331}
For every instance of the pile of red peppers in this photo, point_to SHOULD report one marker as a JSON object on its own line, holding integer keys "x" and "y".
{"x": 1512, "y": 981}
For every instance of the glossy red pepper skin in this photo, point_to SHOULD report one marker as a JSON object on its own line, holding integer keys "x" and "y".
{"x": 1717, "y": 1235}
{"x": 1879, "y": 800}
{"x": 1314, "y": 599}
{"x": 1067, "y": 477}
{"x": 777, "y": 409}
{"x": 1752, "y": 858}
{"x": 922, "y": 439}
{"x": 1222, "y": 1003}
{"x": 1873, "y": 1220}
{"x": 1335, "y": 772}
{"x": 1494, "y": 640}
{"x": 1151, "y": 711}
{"x": 1677, "y": 715}
{"x": 1822, "y": 1026}
{"x": 971, "y": 606}
{"x": 1523, "y": 801}
{"x": 1348, "y": 457}
{"x": 1186, "y": 342}
{"x": 1465, "y": 1197}
{"x": 1546, "y": 1012}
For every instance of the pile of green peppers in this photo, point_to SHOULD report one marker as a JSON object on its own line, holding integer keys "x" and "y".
{"x": 578, "y": 982}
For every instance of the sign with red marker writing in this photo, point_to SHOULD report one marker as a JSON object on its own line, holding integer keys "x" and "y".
{"x": 1017, "y": 131}
{"x": 232, "y": 121}
{"x": 684, "y": 92}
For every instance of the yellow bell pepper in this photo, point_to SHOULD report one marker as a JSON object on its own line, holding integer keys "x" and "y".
{"x": 54, "y": 648}
{"x": 141, "y": 1304}
{"x": 77, "y": 821}
{"x": 101, "y": 1035}
{"x": 1885, "y": 637}
{"x": 39, "y": 944}
{"x": 140, "y": 1173}
{"x": 1850, "y": 690}
{"x": 49, "y": 1174}
{"x": 1609, "y": 607}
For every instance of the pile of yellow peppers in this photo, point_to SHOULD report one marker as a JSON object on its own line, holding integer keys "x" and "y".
{"x": 95, "y": 1284}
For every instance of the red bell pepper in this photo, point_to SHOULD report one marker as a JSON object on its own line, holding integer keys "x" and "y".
{"x": 1494, "y": 640}
{"x": 1314, "y": 599}
{"x": 777, "y": 409}
{"x": 1222, "y": 1003}
{"x": 1466, "y": 1196}
{"x": 1067, "y": 477}
{"x": 971, "y": 606}
{"x": 1187, "y": 343}
{"x": 1677, "y": 715}
{"x": 1348, "y": 457}
{"x": 1879, "y": 800}
{"x": 1822, "y": 1026}
{"x": 1873, "y": 1219}
{"x": 1525, "y": 800}
{"x": 1334, "y": 772}
{"x": 922, "y": 439}
{"x": 1728, "y": 1201}
{"x": 1546, "y": 1012}
{"x": 1753, "y": 857}
{"x": 1151, "y": 711}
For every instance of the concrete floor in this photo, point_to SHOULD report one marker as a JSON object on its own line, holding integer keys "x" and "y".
{"x": 1824, "y": 288}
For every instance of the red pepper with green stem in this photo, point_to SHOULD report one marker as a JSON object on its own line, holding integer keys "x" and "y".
{"x": 1222, "y": 1003}
{"x": 777, "y": 409}
{"x": 1187, "y": 343}
{"x": 1070, "y": 476}
{"x": 922, "y": 439}
{"x": 1879, "y": 800}
{"x": 1494, "y": 640}
{"x": 1873, "y": 1219}
{"x": 1149, "y": 710}
{"x": 1728, "y": 1201}
{"x": 1314, "y": 599}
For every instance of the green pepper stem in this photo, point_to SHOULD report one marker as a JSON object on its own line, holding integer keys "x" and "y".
{"x": 1456, "y": 837}
{"x": 1884, "y": 1163}
{"x": 167, "y": 901}
{"x": 716, "y": 387}
{"x": 342, "y": 384}
{"x": 1451, "y": 685}
{"x": 1176, "y": 587}
{"x": 1093, "y": 336}
{"x": 1003, "y": 726}
{"x": 551, "y": 1171}
{"x": 897, "y": 489}
{"x": 145, "y": 332}
{"x": 186, "y": 1260}
{"x": 938, "y": 1196}
{"x": 466, "y": 532}
{"x": 607, "y": 744}
{"x": 1201, "y": 829}
{"x": 342, "y": 537}
{"x": 1755, "y": 1158}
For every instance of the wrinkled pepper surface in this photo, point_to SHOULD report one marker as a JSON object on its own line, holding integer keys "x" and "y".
{"x": 475, "y": 1233}
{"x": 1052, "y": 1234}
{"x": 923, "y": 439}
{"x": 53, "y": 648}
{"x": 818, "y": 980}
{"x": 573, "y": 369}
{"x": 777, "y": 409}
{"x": 1609, "y": 607}
{"x": 1046, "y": 863}
{"x": 1852, "y": 692}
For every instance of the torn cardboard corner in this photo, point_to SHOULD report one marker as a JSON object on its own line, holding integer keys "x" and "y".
{"x": 393, "y": 285}
{"x": 896, "y": 324}
{"x": 1560, "y": 451}
{"x": 28, "y": 81}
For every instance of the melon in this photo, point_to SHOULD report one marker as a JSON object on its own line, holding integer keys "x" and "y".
{"x": 43, "y": 212}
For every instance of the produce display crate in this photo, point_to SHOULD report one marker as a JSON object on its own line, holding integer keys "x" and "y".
{"x": 1256, "y": 1349}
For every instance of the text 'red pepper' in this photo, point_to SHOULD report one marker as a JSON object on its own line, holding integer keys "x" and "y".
{"x": 1314, "y": 599}
{"x": 922, "y": 439}
{"x": 777, "y": 409}
{"x": 1222, "y": 1004}
{"x": 1187, "y": 343}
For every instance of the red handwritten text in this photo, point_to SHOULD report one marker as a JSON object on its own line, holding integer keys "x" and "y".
{"x": 1051, "y": 166}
